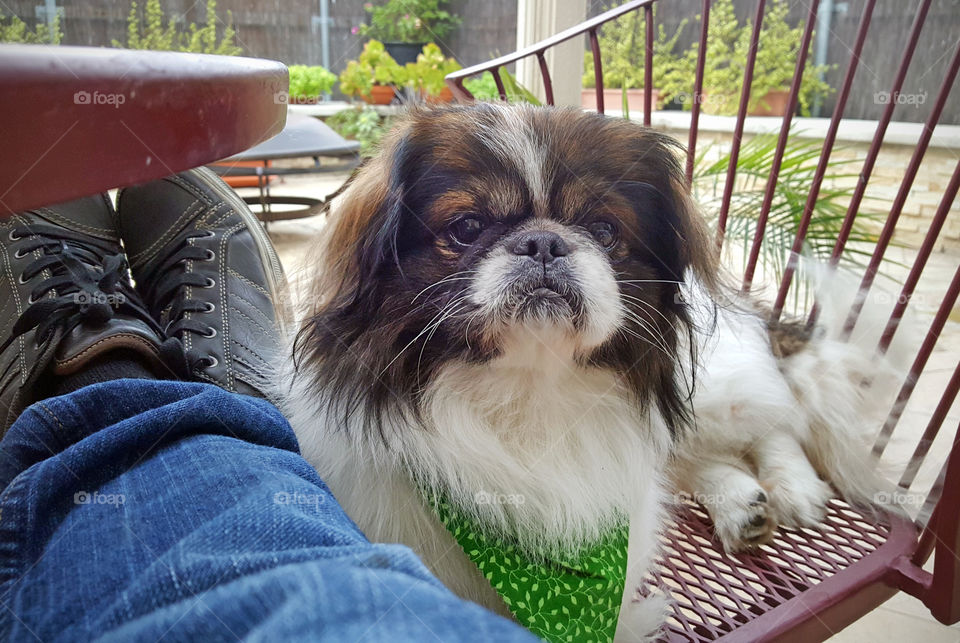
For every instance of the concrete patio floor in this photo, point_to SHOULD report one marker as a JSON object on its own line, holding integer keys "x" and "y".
{"x": 902, "y": 618}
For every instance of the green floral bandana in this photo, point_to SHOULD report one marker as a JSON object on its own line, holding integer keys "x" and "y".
{"x": 575, "y": 599}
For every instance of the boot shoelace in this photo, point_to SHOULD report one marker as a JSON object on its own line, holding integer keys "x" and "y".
{"x": 175, "y": 310}
{"x": 88, "y": 280}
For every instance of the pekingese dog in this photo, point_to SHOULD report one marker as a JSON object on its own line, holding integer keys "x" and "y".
{"x": 513, "y": 348}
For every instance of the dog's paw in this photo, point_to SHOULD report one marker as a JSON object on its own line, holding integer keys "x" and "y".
{"x": 642, "y": 618}
{"x": 800, "y": 501}
{"x": 745, "y": 521}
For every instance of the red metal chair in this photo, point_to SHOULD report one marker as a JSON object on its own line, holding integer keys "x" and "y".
{"x": 809, "y": 584}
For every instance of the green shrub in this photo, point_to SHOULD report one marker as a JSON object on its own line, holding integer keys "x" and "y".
{"x": 427, "y": 74}
{"x": 623, "y": 52}
{"x": 149, "y": 32}
{"x": 408, "y": 21}
{"x": 310, "y": 81}
{"x": 18, "y": 32}
{"x": 727, "y": 45}
{"x": 363, "y": 124}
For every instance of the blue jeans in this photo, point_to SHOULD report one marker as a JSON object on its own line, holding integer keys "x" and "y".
{"x": 141, "y": 510}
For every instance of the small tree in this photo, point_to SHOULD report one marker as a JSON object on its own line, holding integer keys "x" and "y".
{"x": 16, "y": 31}
{"x": 152, "y": 33}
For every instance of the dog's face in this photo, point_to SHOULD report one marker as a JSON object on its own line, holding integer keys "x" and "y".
{"x": 480, "y": 228}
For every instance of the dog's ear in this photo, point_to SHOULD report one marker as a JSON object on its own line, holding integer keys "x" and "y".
{"x": 698, "y": 247}
{"x": 362, "y": 228}
{"x": 683, "y": 235}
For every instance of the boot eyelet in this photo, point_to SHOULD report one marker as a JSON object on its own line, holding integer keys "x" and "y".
{"x": 13, "y": 237}
{"x": 211, "y": 333}
{"x": 31, "y": 301}
{"x": 209, "y": 308}
{"x": 20, "y": 254}
{"x": 207, "y": 234}
{"x": 211, "y": 255}
{"x": 21, "y": 280}
{"x": 211, "y": 361}
{"x": 209, "y": 284}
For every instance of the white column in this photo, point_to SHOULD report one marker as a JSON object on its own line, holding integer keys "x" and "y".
{"x": 539, "y": 19}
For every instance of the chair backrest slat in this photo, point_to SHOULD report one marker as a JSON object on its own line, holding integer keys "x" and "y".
{"x": 919, "y": 362}
{"x": 597, "y": 69}
{"x": 545, "y": 75}
{"x": 930, "y": 433}
{"x": 923, "y": 254}
{"x": 698, "y": 89}
{"x": 738, "y": 129}
{"x": 771, "y": 187}
{"x": 499, "y": 81}
{"x": 648, "y": 66}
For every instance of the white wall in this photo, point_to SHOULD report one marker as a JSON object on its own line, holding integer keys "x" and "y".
{"x": 539, "y": 19}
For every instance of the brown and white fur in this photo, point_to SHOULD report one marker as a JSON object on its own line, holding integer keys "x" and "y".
{"x": 543, "y": 400}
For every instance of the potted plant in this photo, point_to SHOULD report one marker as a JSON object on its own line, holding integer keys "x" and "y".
{"x": 427, "y": 73}
{"x": 405, "y": 26}
{"x": 308, "y": 83}
{"x": 373, "y": 75}
{"x": 727, "y": 45}
{"x": 623, "y": 53}
{"x": 484, "y": 88}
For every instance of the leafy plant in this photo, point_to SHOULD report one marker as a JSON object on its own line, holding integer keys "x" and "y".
{"x": 18, "y": 32}
{"x": 484, "y": 87}
{"x": 789, "y": 200}
{"x": 728, "y": 44}
{"x": 408, "y": 21}
{"x": 623, "y": 51}
{"x": 148, "y": 31}
{"x": 427, "y": 74}
{"x": 310, "y": 81}
{"x": 373, "y": 66}
{"x": 363, "y": 124}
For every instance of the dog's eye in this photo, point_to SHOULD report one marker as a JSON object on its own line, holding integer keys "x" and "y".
{"x": 604, "y": 232}
{"x": 467, "y": 230}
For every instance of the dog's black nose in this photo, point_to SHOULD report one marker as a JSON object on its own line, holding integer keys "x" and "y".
{"x": 541, "y": 246}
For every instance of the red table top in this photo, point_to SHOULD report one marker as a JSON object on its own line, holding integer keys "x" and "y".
{"x": 79, "y": 120}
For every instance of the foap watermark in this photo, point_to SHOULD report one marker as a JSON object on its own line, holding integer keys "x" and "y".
{"x": 97, "y": 498}
{"x": 492, "y": 498}
{"x": 286, "y": 98}
{"x": 98, "y": 98}
{"x": 712, "y": 499}
{"x": 84, "y": 298}
{"x": 899, "y": 498}
{"x": 713, "y": 101}
{"x": 900, "y": 98}
{"x": 296, "y": 498}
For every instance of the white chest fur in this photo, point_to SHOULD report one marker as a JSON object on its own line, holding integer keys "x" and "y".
{"x": 533, "y": 446}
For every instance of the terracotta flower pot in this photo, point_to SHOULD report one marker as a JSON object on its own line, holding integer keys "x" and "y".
{"x": 773, "y": 104}
{"x": 613, "y": 99}
{"x": 380, "y": 95}
{"x": 445, "y": 96}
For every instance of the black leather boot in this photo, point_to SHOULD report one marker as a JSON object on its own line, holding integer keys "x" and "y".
{"x": 67, "y": 299}
{"x": 209, "y": 275}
